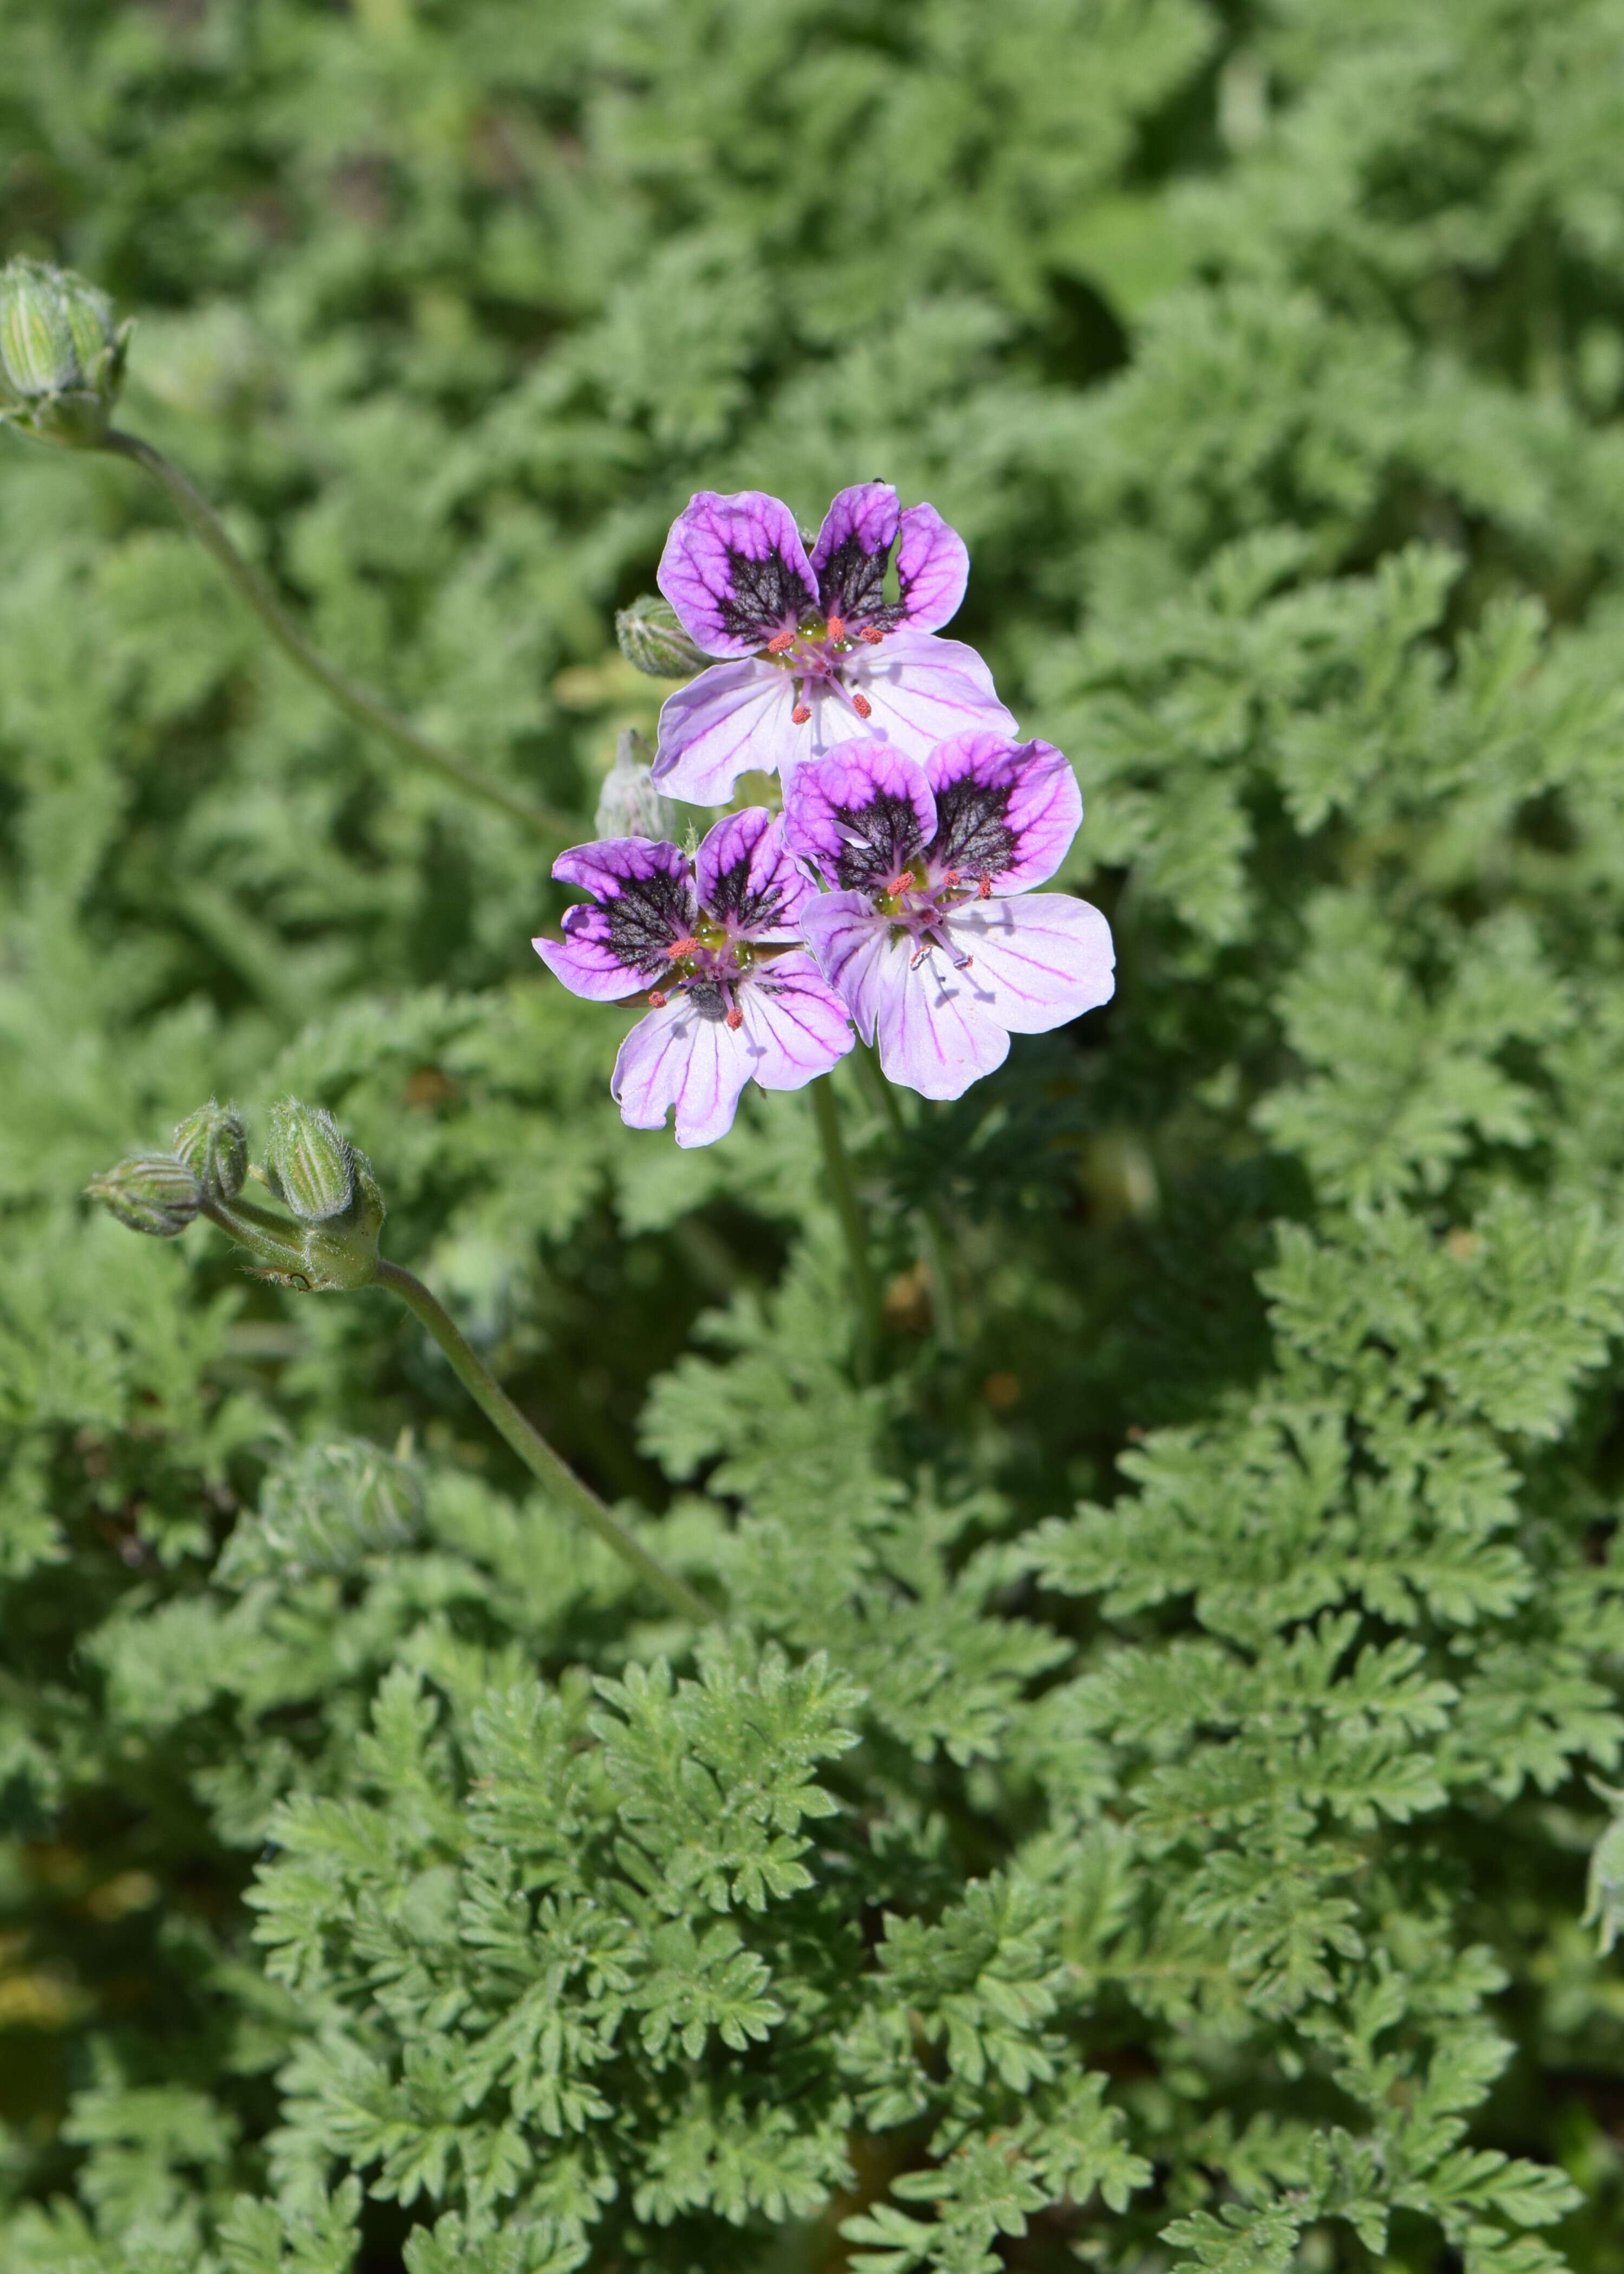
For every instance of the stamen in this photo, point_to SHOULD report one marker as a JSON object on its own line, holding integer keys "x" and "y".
{"x": 983, "y": 890}
{"x": 734, "y": 1018}
{"x": 799, "y": 714}
{"x": 916, "y": 961}
{"x": 950, "y": 876}
{"x": 871, "y": 635}
{"x": 678, "y": 948}
{"x": 836, "y": 626}
{"x": 899, "y": 885}
{"x": 863, "y": 706}
{"x": 780, "y": 643}
{"x": 657, "y": 1001}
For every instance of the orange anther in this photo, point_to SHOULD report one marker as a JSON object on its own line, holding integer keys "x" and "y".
{"x": 863, "y": 706}
{"x": 950, "y": 876}
{"x": 900, "y": 883}
{"x": 871, "y": 635}
{"x": 678, "y": 948}
{"x": 836, "y": 626}
{"x": 983, "y": 891}
{"x": 657, "y": 1001}
{"x": 734, "y": 1018}
{"x": 780, "y": 643}
{"x": 800, "y": 715}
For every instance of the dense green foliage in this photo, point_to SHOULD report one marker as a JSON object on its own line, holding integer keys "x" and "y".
{"x": 1139, "y": 1805}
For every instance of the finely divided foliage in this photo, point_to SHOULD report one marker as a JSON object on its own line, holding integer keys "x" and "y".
{"x": 1139, "y": 1802}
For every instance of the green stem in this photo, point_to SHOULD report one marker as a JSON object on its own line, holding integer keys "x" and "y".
{"x": 843, "y": 1191}
{"x": 935, "y": 1240}
{"x": 357, "y": 702}
{"x": 533, "y": 1449}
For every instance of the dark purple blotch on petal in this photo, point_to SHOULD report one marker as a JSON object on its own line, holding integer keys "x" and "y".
{"x": 850, "y": 557}
{"x": 645, "y": 917}
{"x": 879, "y": 839}
{"x": 973, "y": 833}
{"x": 739, "y": 896}
{"x": 767, "y": 596}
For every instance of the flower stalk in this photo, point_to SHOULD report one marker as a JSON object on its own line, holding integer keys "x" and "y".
{"x": 547, "y": 1466}
{"x": 848, "y": 1208}
{"x": 356, "y": 702}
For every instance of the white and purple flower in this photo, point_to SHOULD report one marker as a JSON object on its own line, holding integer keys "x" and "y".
{"x": 714, "y": 946}
{"x": 813, "y": 649}
{"x": 931, "y": 931}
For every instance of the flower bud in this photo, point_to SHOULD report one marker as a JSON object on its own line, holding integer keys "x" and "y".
{"x": 213, "y": 1144}
{"x": 311, "y": 1162}
{"x": 62, "y": 354}
{"x": 629, "y": 804}
{"x": 150, "y": 1192}
{"x": 652, "y": 638}
{"x": 342, "y": 1251}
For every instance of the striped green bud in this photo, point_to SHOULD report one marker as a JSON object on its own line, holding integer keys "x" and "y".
{"x": 213, "y": 1144}
{"x": 310, "y": 1161}
{"x": 62, "y": 354}
{"x": 652, "y": 638}
{"x": 152, "y": 1193}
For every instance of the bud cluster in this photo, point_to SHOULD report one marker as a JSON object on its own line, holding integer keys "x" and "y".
{"x": 62, "y": 354}
{"x": 328, "y": 1240}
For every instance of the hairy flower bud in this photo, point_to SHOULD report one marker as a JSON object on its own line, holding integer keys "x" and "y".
{"x": 311, "y": 1162}
{"x": 62, "y": 354}
{"x": 629, "y": 804}
{"x": 213, "y": 1144}
{"x": 653, "y": 640}
{"x": 150, "y": 1192}
{"x": 342, "y": 1251}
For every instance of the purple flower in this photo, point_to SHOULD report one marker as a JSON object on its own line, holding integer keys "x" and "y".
{"x": 816, "y": 652}
{"x": 928, "y": 933}
{"x": 698, "y": 938}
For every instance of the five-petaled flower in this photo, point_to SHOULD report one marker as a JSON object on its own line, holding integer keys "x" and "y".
{"x": 714, "y": 946}
{"x": 814, "y": 650}
{"x": 931, "y": 932}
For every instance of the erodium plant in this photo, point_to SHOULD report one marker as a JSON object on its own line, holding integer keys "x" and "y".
{"x": 907, "y": 1559}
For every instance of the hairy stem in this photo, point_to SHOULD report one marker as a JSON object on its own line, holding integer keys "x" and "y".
{"x": 843, "y": 1191}
{"x": 356, "y": 700}
{"x": 936, "y": 1241}
{"x": 532, "y": 1447}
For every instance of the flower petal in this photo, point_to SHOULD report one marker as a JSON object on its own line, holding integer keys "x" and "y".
{"x": 921, "y": 690}
{"x": 933, "y": 567}
{"x": 795, "y": 1024}
{"x": 644, "y": 894}
{"x": 748, "y": 877}
{"x": 1037, "y": 961}
{"x": 682, "y": 1056}
{"x": 860, "y": 815}
{"x": 1005, "y": 811}
{"x": 847, "y": 934}
{"x": 853, "y": 550}
{"x": 936, "y": 1032}
{"x": 734, "y": 717}
{"x": 736, "y": 572}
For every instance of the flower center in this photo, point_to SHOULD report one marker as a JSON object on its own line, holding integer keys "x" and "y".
{"x": 708, "y": 963}
{"x": 918, "y": 906}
